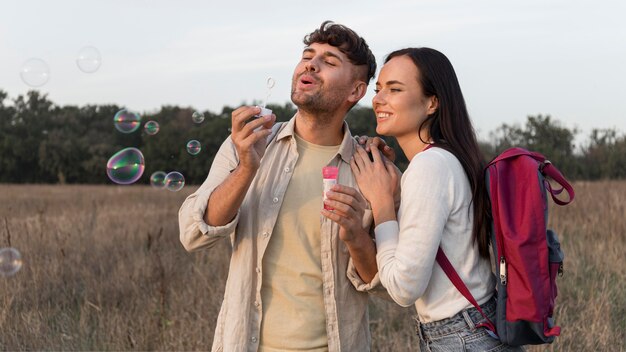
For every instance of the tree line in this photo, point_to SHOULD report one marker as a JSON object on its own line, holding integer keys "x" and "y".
{"x": 41, "y": 142}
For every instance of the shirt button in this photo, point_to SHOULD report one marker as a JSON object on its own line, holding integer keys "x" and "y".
{"x": 258, "y": 270}
{"x": 253, "y": 339}
{"x": 256, "y": 304}
{"x": 287, "y": 169}
{"x": 265, "y": 234}
{"x": 275, "y": 200}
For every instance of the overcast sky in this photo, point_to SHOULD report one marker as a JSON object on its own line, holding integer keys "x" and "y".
{"x": 513, "y": 58}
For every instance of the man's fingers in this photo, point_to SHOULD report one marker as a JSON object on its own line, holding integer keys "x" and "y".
{"x": 335, "y": 216}
{"x": 257, "y": 135}
{"x": 348, "y": 197}
{"x": 270, "y": 122}
{"x": 350, "y": 191}
{"x": 241, "y": 115}
{"x": 258, "y": 123}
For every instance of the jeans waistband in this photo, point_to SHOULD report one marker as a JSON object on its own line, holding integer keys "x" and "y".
{"x": 469, "y": 317}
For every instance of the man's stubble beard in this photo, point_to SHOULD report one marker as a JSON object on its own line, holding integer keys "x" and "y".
{"x": 321, "y": 104}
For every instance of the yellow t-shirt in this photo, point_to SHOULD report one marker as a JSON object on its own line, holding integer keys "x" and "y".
{"x": 291, "y": 293}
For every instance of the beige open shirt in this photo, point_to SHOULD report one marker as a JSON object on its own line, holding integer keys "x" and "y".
{"x": 240, "y": 317}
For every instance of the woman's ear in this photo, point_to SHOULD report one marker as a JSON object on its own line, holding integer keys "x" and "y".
{"x": 433, "y": 105}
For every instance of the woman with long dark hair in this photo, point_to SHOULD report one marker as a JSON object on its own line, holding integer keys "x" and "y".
{"x": 443, "y": 201}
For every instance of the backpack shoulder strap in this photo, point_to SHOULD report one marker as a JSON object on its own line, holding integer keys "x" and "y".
{"x": 545, "y": 167}
{"x": 447, "y": 267}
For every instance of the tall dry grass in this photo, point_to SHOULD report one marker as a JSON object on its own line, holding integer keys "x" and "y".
{"x": 103, "y": 270}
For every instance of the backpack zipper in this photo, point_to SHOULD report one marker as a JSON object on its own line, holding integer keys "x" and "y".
{"x": 502, "y": 271}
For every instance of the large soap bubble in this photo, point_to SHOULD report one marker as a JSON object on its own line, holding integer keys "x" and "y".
{"x": 126, "y": 166}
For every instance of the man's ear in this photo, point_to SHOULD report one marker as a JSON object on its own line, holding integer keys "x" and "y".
{"x": 358, "y": 92}
{"x": 433, "y": 105}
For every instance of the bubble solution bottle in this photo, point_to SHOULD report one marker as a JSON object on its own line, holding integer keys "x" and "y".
{"x": 329, "y": 173}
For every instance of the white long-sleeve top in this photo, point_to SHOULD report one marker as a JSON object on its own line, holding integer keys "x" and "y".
{"x": 435, "y": 210}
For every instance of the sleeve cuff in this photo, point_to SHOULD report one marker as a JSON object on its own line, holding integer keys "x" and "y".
{"x": 200, "y": 206}
{"x": 358, "y": 283}
{"x": 387, "y": 236}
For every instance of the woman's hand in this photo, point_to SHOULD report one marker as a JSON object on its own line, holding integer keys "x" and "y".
{"x": 370, "y": 143}
{"x": 378, "y": 180}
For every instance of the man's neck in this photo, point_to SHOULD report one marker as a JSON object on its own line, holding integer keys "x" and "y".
{"x": 320, "y": 130}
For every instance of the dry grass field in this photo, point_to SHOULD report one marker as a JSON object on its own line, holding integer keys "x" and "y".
{"x": 103, "y": 270}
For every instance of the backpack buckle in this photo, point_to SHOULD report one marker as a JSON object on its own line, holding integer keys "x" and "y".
{"x": 543, "y": 164}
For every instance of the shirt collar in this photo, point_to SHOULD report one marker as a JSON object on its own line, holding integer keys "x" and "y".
{"x": 346, "y": 148}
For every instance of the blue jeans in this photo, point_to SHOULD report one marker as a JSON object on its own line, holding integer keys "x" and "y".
{"x": 459, "y": 333}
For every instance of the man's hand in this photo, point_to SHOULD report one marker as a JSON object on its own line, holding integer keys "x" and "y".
{"x": 249, "y": 135}
{"x": 349, "y": 208}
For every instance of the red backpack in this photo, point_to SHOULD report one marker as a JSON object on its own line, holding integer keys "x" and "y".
{"x": 528, "y": 256}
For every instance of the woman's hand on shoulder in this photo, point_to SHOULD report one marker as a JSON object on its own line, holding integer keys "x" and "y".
{"x": 378, "y": 181}
{"x": 370, "y": 143}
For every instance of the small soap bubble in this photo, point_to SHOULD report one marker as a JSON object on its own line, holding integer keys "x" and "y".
{"x": 126, "y": 121}
{"x": 157, "y": 179}
{"x": 10, "y": 261}
{"x": 89, "y": 59}
{"x": 126, "y": 166}
{"x": 174, "y": 181}
{"x": 35, "y": 72}
{"x": 151, "y": 127}
{"x": 197, "y": 117}
{"x": 194, "y": 147}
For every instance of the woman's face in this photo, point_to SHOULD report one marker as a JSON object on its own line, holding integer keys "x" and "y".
{"x": 400, "y": 104}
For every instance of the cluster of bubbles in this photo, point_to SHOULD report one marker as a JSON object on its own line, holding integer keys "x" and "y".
{"x": 173, "y": 181}
{"x": 127, "y": 165}
{"x": 10, "y": 261}
{"x": 35, "y": 72}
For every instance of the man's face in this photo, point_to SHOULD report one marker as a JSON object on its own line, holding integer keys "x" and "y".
{"x": 323, "y": 79}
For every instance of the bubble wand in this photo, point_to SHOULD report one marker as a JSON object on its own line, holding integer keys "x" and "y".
{"x": 270, "y": 84}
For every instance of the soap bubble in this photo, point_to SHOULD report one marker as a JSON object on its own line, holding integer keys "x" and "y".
{"x": 174, "y": 181}
{"x": 126, "y": 121}
{"x": 88, "y": 59}
{"x": 126, "y": 166}
{"x": 151, "y": 127}
{"x": 157, "y": 179}
{"x": 197, "y": 117}
{"x": 35, "y": 72}
{"x": 194, "y": 147}
{"x": 10, "y": 261}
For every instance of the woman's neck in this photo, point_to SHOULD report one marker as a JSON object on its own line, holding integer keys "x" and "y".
{"x": 412, "y": 144}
